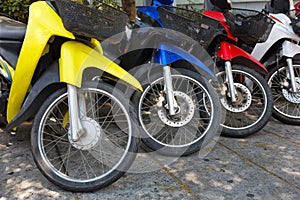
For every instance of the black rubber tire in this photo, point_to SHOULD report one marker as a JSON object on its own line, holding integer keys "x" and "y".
{"x": 92, "y": 185}
{"x": 213, "y": 131}
{"x": 278, "y": 95}
{"x": 241, "y": 132}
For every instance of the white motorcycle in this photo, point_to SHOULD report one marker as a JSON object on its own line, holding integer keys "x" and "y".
{"x": 272, "y": 37}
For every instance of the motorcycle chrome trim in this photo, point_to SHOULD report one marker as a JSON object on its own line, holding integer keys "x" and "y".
{"x": 172, "y": 104}
{"x": 76, "y": 129}
{"x": 291, "y": 74}
{"x": 82, "y": 106}
{"x": 229, "y": 79}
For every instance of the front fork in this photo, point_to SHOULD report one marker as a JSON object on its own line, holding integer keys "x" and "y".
{"x": 229, "y": 80}
{"x": 171, "y": 101}
{"x": 291, "y": 74}
{"x": 76, "y": 129}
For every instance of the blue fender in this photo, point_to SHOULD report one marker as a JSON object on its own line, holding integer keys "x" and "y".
{"x": 150, "y": 11}
{"x": 169, "y": 54}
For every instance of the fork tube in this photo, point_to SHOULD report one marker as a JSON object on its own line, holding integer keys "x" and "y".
{"x": 75, "y": 124}
{"x": 82, "y": 106}
{"x": 229, "y": 79}
{"x": 169, "y": 90}
{"x": 291, "y": 74}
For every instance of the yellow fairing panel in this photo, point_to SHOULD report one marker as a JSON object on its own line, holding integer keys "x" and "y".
{"x": 43, "y": 23}
{"x": 76, "y": 57}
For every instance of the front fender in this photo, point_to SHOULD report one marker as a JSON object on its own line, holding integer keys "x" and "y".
{"x": 150, "y": 11}
{"x": 290, "y": 49}
{"x": 230, "y": 52}
{"x": 76, "y": 57}
{"x": 169, "y": 54}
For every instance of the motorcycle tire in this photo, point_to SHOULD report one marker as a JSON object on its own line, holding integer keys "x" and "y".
{"x": 286, "y": 106}
{"x": 101, "y": 155}
{"x": 254, "y": 104}
{"x": 169, "y": 135}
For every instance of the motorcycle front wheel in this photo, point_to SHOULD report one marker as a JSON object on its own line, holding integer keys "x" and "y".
{"x": 286, "y": 106}
{"x": 253, "y": 108}
{"x": 197, "y": 119}
{"x": 101, "y": 155}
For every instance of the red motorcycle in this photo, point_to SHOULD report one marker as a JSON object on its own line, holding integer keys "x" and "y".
{"x": 272, "y": 36}
{"x": 247, "y": 97}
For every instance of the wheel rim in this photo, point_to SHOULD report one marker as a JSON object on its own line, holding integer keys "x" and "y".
{"x": 170, "y": 133}
{"x": 92, "y": 163}
{"x": 248, "y": 115}
{"x": 285, "y": 102}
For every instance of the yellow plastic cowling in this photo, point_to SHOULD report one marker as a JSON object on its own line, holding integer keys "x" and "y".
{"x": 76, "y": 57}
{"x": 43, "y": 23}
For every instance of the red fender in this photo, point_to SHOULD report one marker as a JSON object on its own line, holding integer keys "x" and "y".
{"x": 230, "y": 52}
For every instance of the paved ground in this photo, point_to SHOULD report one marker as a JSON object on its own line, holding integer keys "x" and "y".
{"x": 263, "y": 166}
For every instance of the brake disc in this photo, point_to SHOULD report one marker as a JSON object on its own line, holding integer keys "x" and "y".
{"x": 183, "y": 116}
{"x": 293, "y": 97}
{"x": 243, "y": 102}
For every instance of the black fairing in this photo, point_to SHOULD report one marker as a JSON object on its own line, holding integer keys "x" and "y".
{"x": 12, "y": 34}
{"x": 11, "y": 29}
{"x": 47, "y": 84}
{"x": 9, "y": 50}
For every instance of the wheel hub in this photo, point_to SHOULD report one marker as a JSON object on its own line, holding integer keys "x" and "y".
{"x": 185, "y": 112}
{"x": 243, "y": 99}
{"x": 91, "y": 136}
{"x": 293, "y": 97}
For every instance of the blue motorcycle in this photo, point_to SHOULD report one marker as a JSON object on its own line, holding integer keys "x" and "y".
{"x": 246, "y": 95}
{"x": 179, "y": 110}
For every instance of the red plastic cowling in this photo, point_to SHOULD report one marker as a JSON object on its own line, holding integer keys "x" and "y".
{"x": 229, "y": 52}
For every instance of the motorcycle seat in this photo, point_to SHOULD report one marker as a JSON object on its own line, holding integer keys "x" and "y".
{"x": 11, "y": 29}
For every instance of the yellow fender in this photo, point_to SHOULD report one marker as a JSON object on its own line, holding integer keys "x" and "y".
{"x": 76, "y": 57}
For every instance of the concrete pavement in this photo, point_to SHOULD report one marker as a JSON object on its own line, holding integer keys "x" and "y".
{"x": 263, "y": 166}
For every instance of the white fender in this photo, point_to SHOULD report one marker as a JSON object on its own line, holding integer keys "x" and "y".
{"x": 290, "y": 49}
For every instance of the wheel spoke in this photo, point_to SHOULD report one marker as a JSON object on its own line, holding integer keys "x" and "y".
{"x": 85, "y": 161}
{"x": 171, "y": 135}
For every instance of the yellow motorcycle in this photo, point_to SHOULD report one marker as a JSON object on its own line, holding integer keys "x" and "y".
{"x": 83, "y": 132}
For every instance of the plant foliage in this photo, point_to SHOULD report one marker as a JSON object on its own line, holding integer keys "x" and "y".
{"x": 19, "y": 9}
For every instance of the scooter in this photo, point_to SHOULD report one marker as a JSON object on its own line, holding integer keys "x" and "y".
{"x": 276, "y": 45}
{"x": 83, "y": 134}
{"x": 247, "y": 97}
{"x": 179, "y": 110}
